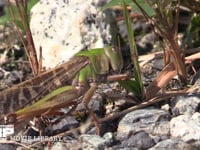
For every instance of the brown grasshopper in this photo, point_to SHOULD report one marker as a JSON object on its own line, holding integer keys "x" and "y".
{"x": 46, "y": 93}
{"x": 30, "y": 91}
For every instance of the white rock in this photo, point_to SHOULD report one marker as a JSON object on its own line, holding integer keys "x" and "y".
{"x": 186, "y": 127}
{"x": 64, "y": 27}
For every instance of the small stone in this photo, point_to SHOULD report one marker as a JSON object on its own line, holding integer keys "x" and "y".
{"x": 3, "y": 57}
{"x": 196, "y": 78}
{"x": 141, "y": 140}
{"x": 137, "y": 27}
{"x": 173, "y": 144}
{"x": 145, "y": 45}
{"x": 158, "y": 63}
{"x": 109, "y": 137}
{"x": 96, "y": 104}
{"x": 7, "y": 147}
{"x": 123, "y": 148}
{"x": 92, "y": 142}
{"x": 165, "y": 107}
{"x": 186, "y": 105}
{"x": 1, "y": 74}
{"x": 148, "y": 38}
{"x": 59, "y": 146}
{"x": 152, "y": 121}
{"x": 186, "y": 127}
{"x": 14, "y": 77}
{"x": 97, "y": 107}
{"x": 65, "y": 124}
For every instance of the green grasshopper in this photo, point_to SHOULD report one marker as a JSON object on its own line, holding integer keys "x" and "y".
{"x": 49, "y": 91}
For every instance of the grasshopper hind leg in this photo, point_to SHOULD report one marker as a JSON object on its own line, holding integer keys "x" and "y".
{"x": 86, "y": 100}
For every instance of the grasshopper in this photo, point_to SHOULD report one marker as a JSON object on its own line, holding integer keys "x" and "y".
{"x": 48, "y": 92}
{"x": 31, "y": 91}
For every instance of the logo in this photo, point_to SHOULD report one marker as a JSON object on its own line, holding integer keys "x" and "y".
{"x": 6, "y": 130}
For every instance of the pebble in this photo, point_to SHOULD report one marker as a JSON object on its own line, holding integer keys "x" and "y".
{"x": 141, "y": 140}
{"x": 65, "y": 124}
{"x": 186, "y": 105}
{"x": 96, "y": 105}
{"x": 92, "y": 142}
{"x": 152, "y": 121}
{"x": 147, "y": 40}
{"x": 186, "y": 127}
{"x": 109, "y": 137}
{"x": 7, "y": 147}
{"x": 60, "y": 146}
{"x": 196, "y": 81}
{"x": 173, "y": 144}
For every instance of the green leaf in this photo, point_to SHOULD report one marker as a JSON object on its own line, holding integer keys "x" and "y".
{"x": 195, "y": 23}
{"x": 85, "y": 74}
{"x": 131, "y": 86}
{"x": 111, "y": 4}
{"x": 114, "y": 3}
{"x": 31, "y": 3}
{"x": 114, "y": 58}
{"x": 98, "y": 59}
{"x": 91, "y": 53}
{"x": 134, "y": 53}
{"x": 147, "y": 8}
